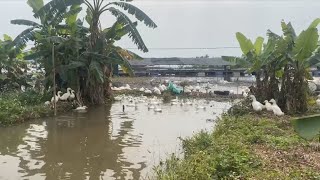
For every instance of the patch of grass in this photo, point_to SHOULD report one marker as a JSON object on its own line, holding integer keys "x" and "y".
{"x": 244, "y": 147}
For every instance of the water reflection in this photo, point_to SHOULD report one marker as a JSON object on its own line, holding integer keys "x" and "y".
{"x": 72, "y": 147}
{"x": 104, "y": 143}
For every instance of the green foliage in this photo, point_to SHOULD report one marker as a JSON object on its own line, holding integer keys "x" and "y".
{"x": 16, "y": 107}
{"x": 245, "y": 43}
{"x": 258, "y": 45}
{"x": 228, "y": 152}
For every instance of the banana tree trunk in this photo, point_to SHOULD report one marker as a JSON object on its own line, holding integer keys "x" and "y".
{"x": 300, "y": 92}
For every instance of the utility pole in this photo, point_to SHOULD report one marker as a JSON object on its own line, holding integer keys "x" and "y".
{"x": 54, "y": 81}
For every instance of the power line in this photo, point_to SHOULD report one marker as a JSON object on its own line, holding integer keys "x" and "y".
{"x": 182, "y": 48}
{"x": 189, "y": 48}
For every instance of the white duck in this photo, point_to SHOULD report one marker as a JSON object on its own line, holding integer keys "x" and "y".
{"x": 66, "y": 95}
{"x": 157, "y": 109}
{"x": 132, "y": 104}
{"x": 200, "y": 107}
{"x": 174, "y": 103}
{"x": 81, "y": 109}
{"x": 268, "y": 105}
{"x": 175, "y": 100}
{"x": 141, "y": 89}
{"x": 118, "y": 98}
{"x": 198, "y": 87}
{"x": 191, "y": 88}
{"x": 147, "y": 91}
{"x": 187, "y": 90}
{"x": 161, "y": 88}
{"x": 127, "y": 87}
{"x": 47, "y": 103}
{"x": 150, "y": 106}
{"x": 72, "y": 95}
{"x": 189, "y": 103}
{"x": 156, "y": 91}
{"x": 318, "y": 100}
{"x": 244, "y": 94}
{"x": 256, "y": 105}
{"x": 154, "y": 102}
{"x": 275, "y": 108}
{"x": 57, "y": 97}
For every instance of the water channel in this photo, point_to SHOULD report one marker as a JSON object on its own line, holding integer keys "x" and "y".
{"x": 103, "y": 143}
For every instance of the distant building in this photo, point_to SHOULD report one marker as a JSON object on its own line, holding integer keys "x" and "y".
{"x": 183, "y": 67}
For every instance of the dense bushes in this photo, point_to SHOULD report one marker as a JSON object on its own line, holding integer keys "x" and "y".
{"x": 19, "y": 107}
{"x": 232, "y": 152}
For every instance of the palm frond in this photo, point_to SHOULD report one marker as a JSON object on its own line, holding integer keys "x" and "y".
{"x": 133, "y": 10}
{"x": 24, "y": 22}
{"x": 117, "y": 31}
{"x": 54, "y": 6}
{"x": 134, "y": 55}
{"x": 35, "y": 4}
{"x": 55, "y": 39}
{"x": 75, "y": 64}
{"x": 26, "y": 35}
{"x": 123, "y": 62}
{"x": 96, "y": 69}
{"x": 288, "y": 32}
{"x": 133, "y": 32}
{"x": 35, "y": 55}
{"x": 94, "y": 55}
{"x": 71, "y": 16}
{"x": 63, "y": 13}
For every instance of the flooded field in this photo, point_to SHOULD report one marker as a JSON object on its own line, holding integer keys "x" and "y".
{"x": 104, "y": 143}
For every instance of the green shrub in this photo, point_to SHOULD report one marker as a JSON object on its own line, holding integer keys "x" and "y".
{"x": 229, "y": 151}
{"x": 30, "y": 97}
{"x": 18, "y": 107}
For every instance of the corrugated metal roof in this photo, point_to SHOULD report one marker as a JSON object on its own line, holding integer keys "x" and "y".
{"x": 180, "y": 61}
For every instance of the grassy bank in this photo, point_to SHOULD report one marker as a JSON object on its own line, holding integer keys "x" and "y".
{"x": 20, "y": 107}
{"x": 245, "y": 147}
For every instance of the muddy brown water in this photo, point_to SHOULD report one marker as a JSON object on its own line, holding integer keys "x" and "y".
{"x": 103, "y": 143}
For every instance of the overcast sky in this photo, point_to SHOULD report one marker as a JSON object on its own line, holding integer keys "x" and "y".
{"x": 194, "y": 23}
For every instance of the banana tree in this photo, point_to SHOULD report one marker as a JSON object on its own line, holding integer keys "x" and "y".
{"x": 100, "y": 46}
{"x": 100, "y": 43}
{"x": 252, "y": 56}
{"x": 304, "y": 55}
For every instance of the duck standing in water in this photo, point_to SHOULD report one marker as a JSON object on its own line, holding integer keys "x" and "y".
{"x": 157, "y": 109}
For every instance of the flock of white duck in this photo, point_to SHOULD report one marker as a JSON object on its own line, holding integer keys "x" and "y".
{"x": 155, "y": 103}
{"x": 155, "y": 90}
{"x": 68, "y": 96}
{"x": 158, "y": 90}
{"x": 268, "y": 105}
